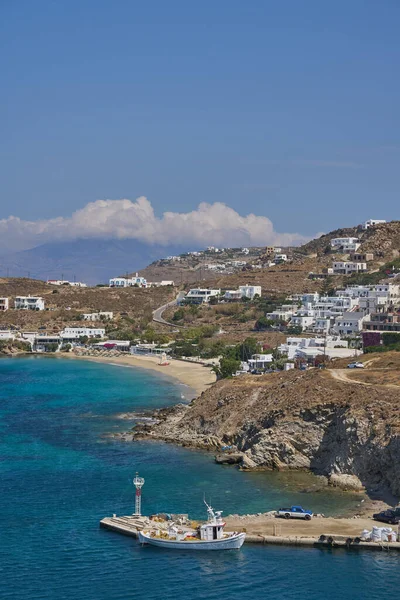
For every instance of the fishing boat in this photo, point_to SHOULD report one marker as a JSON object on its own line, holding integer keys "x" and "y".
{"x": 209, "y": 536}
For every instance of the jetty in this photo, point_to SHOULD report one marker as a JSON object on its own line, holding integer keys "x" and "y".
{"x": 130, "y": 525}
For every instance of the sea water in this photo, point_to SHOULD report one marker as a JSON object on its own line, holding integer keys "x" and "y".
{"x": 60, "y": 473}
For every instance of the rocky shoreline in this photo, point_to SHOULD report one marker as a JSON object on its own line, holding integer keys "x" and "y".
{"x": 343, "y": 432}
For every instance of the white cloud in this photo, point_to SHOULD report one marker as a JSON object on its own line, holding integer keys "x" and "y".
{"x": 216, "y": 224}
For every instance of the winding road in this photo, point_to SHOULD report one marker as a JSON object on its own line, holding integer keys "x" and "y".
{"x": 157, "y": 313}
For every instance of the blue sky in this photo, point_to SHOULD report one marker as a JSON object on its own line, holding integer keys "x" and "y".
{"x": 286, "y": 109}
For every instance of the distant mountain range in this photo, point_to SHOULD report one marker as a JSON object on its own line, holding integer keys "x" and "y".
{"x": 92, "y": 261}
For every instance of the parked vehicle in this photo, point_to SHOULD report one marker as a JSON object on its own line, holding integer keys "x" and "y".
{"x": 294, "y": 512}
{"x": 355, "y": 365}
{"x": 388, "y": 516}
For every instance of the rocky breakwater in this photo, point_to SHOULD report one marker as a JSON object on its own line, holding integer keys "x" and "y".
{"x": 345, "y": 431}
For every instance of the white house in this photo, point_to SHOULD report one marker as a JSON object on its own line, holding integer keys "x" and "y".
{"x": 354, "y": 291}
{"x": 322, "y": 325}
{"x": 282, "y": 314}
{"x": 7, "y": 334}
{"x": 350, "y": 323}
{"x": 331, "y": 346}
{"x": 346, "y": 268}
{"x": 260, "y": 361}
{"x": 280, "y": 258}
{"x": 303, "y": 320}
{"x": 79, "y": 284}
{"x": 200, "y": 295}
{"x": 162, "y": 283}
{"x": 29, "y": 336}
{"x": 4, "y": 304}
{"x": 173, "y": 258}
{"x": 372, "y": 223}
{"x": 233, "y": 295}
{"x": 42, "y": 341}
{"x": 308, "y": 300}
{"x": 123, "y": 282}
{"x": 29, "y": 303}
{"x": 99, "y": 316}
{"x": 344, "y": 242}
{"x": 249, "y": 291}
{"x": 73, "y": 334}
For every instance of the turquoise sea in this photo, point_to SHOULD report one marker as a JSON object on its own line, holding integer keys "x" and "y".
{"x": 60, "y": 474}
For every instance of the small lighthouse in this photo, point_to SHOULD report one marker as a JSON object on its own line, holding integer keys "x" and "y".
{"x": 138, "y": 482}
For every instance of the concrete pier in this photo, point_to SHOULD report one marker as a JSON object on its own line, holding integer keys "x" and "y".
{"x": 131, "y": 525}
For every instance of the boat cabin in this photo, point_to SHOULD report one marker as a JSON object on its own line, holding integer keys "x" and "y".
{"x": 210, "y": 531}
{"x": 214, "y": 528}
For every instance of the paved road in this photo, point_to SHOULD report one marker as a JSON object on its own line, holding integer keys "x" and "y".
{"x": 157, "y": 314}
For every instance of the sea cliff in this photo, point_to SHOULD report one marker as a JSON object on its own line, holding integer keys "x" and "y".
{"x": 345, "y": 429}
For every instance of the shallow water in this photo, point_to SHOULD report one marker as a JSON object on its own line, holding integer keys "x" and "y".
{"x": 60, "y": 475}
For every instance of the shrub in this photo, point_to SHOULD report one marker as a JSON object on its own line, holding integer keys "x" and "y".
{"x": 263, "y": 323}
{"x": 227, "y": 367}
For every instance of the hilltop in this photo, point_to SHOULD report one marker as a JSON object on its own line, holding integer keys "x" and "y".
{"x": 382, "y": 240}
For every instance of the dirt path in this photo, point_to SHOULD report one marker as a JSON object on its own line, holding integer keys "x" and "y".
{"x": 343, "y": 375}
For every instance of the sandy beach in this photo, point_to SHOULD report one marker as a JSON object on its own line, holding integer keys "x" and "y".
{"x": 194, "y": 375}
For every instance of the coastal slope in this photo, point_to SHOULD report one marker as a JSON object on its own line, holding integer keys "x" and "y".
{"x": 334, "y": 424}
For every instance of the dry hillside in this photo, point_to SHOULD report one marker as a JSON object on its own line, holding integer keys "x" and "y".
{"x": 64, "y": 303}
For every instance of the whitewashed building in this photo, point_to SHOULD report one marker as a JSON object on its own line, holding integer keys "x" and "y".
{"x": 249, "y": 291}
{"x": 350, "y": 323}
{"x": 7, "y": 334}
{"x": 349, "y": 267}
{"x": 44, "y": 342}
{"x": 29, "y": 303}
{"x": 123, "y": 282}
{"x": 260, "y": 361}
{"x": 303, "y": 319}
{"x": 348, "y": 243}
{"x": 372, "y": 223}
{"x": 301, "y": 347}
{"x": 201, "y": 295}
{"x": 162, "y": 283}
{"x": 284, "y": 313}
{"x": 79, "y": 284}
{"x": 98, "y": 316}
{"x": 72, "y": 334}
{"x": 233, "y": 295}
{"x": 4, "y": 304}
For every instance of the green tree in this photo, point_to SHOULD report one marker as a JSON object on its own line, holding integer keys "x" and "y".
{"x": 247, "y": 348}
{"x": 52, "y": 347}
{"x": 263, "y": 323}
{"x": 294, "y": 329}
{"x": 149, "y": 335}
{"x": 226, "y": 368}
{"x": 179, "y": 315}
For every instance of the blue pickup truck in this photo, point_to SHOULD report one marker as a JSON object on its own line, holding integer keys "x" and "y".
{"x": 294, "y": 512}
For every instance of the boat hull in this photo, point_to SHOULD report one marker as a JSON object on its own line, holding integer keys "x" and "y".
{"x": 232, "y": 543}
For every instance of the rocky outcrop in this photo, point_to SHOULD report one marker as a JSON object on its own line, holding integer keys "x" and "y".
{"x": 345, "y": 431}
{"x": 348, "y": 483}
